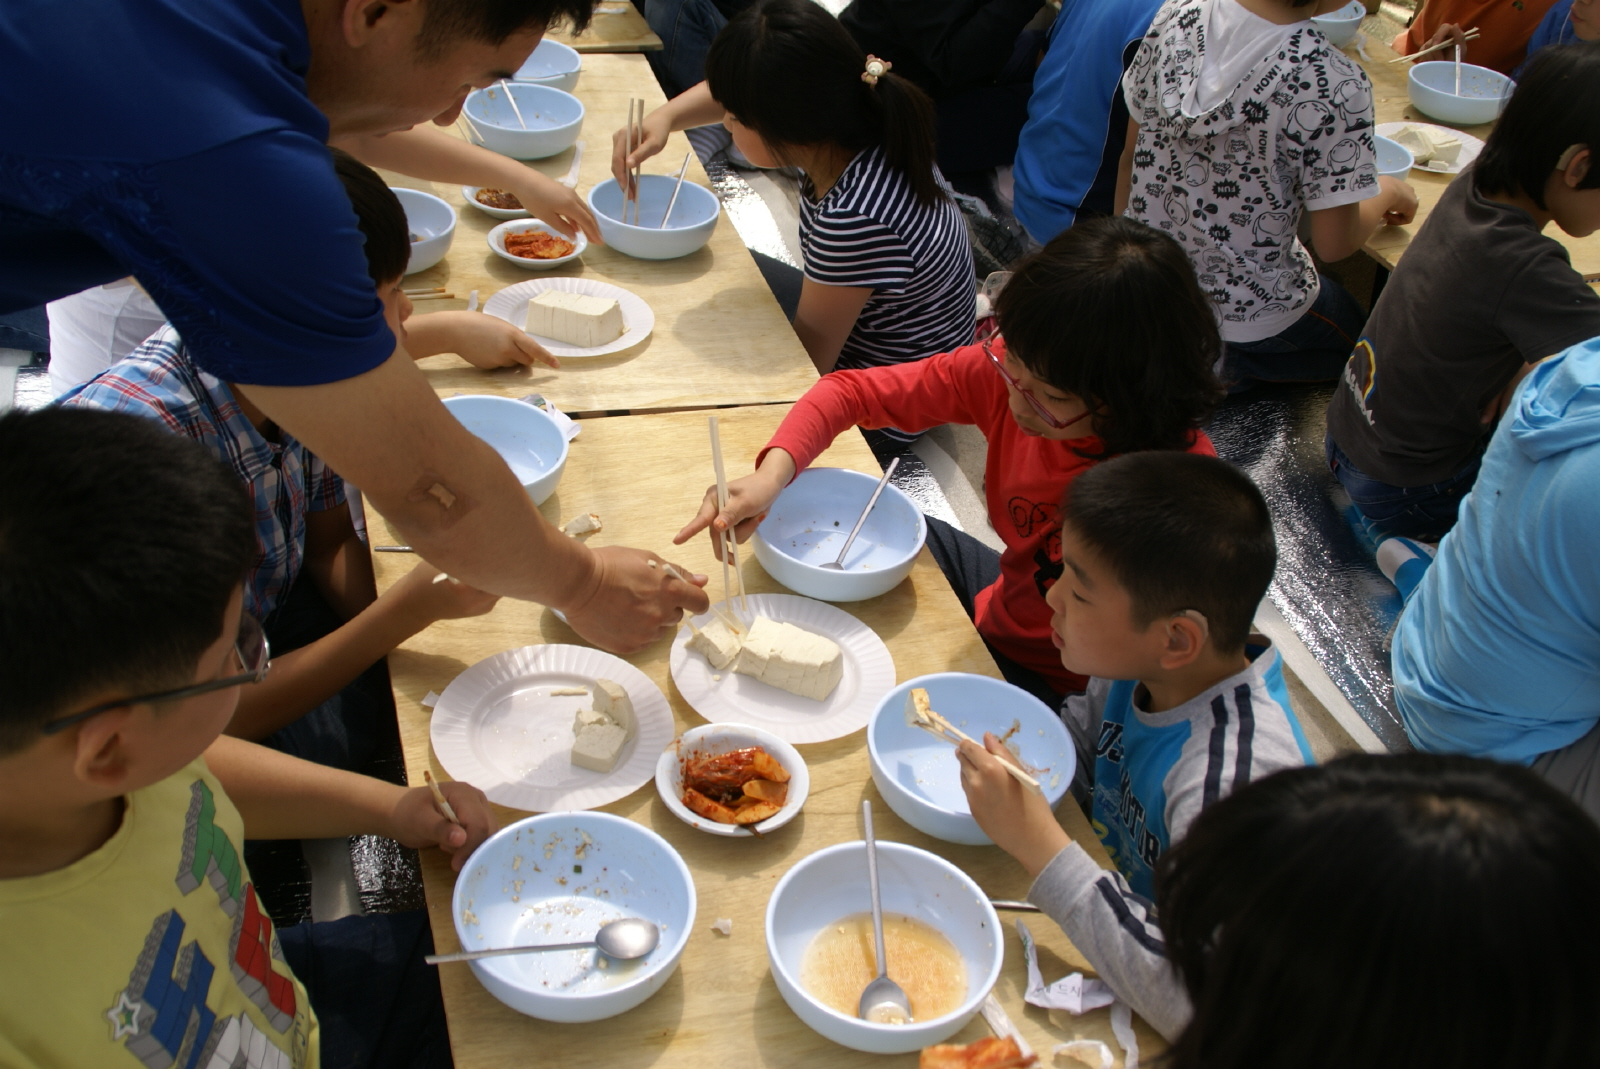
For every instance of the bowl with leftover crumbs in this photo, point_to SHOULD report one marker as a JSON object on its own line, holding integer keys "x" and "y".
{"x": 642, "y": 236}
{"x": 432, "y": 223}
{"x": 524, "y": 435}
{"x": 553, "y": 64}
{"x": 1340, "y": 26}
{"x": 1484, "y": 93}
{"x": 556, "y": 878}
{"x": 535, "y": 245}
{"x": 543, "y": 122}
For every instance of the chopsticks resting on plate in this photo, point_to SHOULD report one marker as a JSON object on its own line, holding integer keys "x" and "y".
{"x": 438, "y": 798}
{"x": 1470, "y": 35}
{"x": 505, "y": 87}
{"x": 729, "y": 545}
{"x": 921, "y": 715}
{"x": 675, "y": 190}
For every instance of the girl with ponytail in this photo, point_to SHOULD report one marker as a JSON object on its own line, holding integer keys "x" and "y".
{"x": 888, "y": 271}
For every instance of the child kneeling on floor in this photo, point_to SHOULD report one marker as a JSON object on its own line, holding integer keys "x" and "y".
{"x": 1105, "y": 346}
{"x": 128, "y": 918}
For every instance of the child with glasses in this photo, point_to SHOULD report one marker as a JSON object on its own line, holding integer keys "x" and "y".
{"x": 130, "y": 927}
{"x": 1105, "y": 345}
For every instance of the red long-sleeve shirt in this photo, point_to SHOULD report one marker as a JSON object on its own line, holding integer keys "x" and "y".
{"x": 1024, "y": 478}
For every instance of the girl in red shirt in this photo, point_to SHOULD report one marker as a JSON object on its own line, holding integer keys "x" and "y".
{"x": 1105, "y": 345}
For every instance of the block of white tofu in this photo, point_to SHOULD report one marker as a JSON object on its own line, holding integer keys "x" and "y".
{"x": 575, "y": 318}
{"x": 1429, "y": 145}
{"x": 790, "y": 658}
{"x": 611, "y": 700}
{"x": 716, "y": 642}
{"x": 597, "y": 741}
{"x": 581, "y": 524}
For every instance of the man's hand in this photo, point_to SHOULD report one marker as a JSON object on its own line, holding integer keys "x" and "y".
{"x": 481, "y": 340}
{"x": 1018, "y": 820}
{"x": 633, "y": 600}
{"x": 419, "y": 823}
{"x": 547, "y": 199}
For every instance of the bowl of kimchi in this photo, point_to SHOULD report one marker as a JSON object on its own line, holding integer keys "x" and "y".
{"x": 535, "y": 245}
{"x": 732, "y": 780}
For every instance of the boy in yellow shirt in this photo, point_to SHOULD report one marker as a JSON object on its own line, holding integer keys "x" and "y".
{"x": 129, "y": 928}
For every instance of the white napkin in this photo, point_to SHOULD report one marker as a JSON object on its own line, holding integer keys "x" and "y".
{"x": 1074, "y": 993}
{"x": 568, "y": 425}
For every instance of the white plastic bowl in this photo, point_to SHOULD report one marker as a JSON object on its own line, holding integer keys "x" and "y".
{"x": 694, "y": 217}
{"x": 497, "y": 242}
{"x": 525, "y": 436}
{"x": 432, "y": 220}
{"x": 918, "y": 775}
{"x": 470, "y": 195}
{"x": 554, "y": 120}
{"x": 809, "y": 522}
{"x": 1340, "y": 26}
{"x": 553, "y": 64}
{"x": 1484, "y": 92}
{"x": 1394, "y": 159}
{"x": 714, "y": 739}
{"x": 556, "y": 878}
{"x": 832, "y": 884}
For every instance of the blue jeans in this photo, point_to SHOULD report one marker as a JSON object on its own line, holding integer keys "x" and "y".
{"x": 1313, "y": 348}
{"x": 1423, "y": 513}
{"x": 686, "y": 29}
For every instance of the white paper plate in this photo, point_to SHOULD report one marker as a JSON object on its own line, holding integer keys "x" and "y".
{"x": 511, "y": 304}
{"x": 736, "y": 699}
{"x": 498, "y": 727}
{"x": 1470, "y": 146}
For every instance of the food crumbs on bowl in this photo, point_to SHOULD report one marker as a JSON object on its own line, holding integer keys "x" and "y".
{"x": 587, "y": 842}
{"x": 577, "y": 868}
{"x": 468, "y": 917}
{"x": 603, "y": 962}
{"x": 715, "y": 678}
{"x": 723, "y": 925}
{"x": 516, "y": 863}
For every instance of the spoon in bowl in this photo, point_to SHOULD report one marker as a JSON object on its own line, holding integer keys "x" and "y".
{"x": 620, "y": 940}
{"x": 884, "y": 1001}
{"x": 837, "y": 564}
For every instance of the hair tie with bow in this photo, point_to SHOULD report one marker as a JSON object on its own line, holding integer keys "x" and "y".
{"x": 876, "y": 68}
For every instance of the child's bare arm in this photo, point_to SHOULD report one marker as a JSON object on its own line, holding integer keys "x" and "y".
{"x": 481, "y": 340}
{"x": 338, "y": 562}
{"x": 283, "y": 797}
{"x": 1340, "y": 232}
{"x": 1125, "y": 170}
{"x": 1018, "y": 820}
{"x": 825, "y": 318}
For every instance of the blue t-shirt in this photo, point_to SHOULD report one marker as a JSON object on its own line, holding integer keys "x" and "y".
{"x": 1554, "y": 29}
{"x": 1068, "y": 151}
{"x": 173, "y": 140}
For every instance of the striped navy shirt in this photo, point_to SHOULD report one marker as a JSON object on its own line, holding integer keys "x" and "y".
{"x": 869, "y": 230}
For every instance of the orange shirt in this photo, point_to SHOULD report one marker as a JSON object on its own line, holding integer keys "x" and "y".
{"x": 1505, "y": 27}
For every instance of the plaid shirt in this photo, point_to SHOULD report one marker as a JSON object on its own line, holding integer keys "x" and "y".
{"x": 285, "y": 479}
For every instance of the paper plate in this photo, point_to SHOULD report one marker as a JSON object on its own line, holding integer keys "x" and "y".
{"x": 726, "y": 697}
{"x": 1470, "y": 146}
{"x": 498, "y": 727}
{"x": 511, "y": 304}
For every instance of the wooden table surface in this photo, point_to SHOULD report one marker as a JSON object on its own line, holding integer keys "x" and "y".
{"x": 1391, "y": 102}
{"x": 617, "y": 26}
{"x": 720, "y": 337}
{"x": 645, "y": 476}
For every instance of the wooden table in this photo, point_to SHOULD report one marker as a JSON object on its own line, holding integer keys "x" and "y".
{"x": 1392, "y": 103}
{"x": 720, "y": 337}
{"x": 617, "y": 26}
{"x": 645, "y": 476}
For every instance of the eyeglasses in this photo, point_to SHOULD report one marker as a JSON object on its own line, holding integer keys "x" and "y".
{"x": 255, "y": 657}
{"x": 1038, "y": 406}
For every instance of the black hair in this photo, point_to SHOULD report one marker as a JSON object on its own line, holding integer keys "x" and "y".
{"x": 1110, "y": 311}
{"x": 379, "y": 215}
{"x": 1417, "y": 910}
{"x": 788, "y": 70}
{"x": 1178, "y": 531}
{"x": 121, "y": 544}
{"x": 1555, "y": 106}
{"x": 445, "y": 22}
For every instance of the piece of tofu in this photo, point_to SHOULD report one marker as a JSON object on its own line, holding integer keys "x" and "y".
{"x": 791, "y": 658}
{"x": 717, "y": 643}
{"x": 597, "y": 741}
{"x": 575, "y": 318}
{"x": 582, "y": 524}
{"x": 1429, "y": 145}
{"x": 611, "y": 699}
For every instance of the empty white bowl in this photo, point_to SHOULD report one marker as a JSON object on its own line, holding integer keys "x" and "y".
{"x": 497, "y": 242}
{"x": 554, "y": 119}
{"x": 557, "y": 878}
{"x": 433, "y": 221}
{"x": 712, "y": 739}
{"x": 694, "y": 217}
{"x": 1484, "y": 92}
{"x": 832, "y": 884}
{"x": 1340, "y": 26}
{"x": 1394, "y": 159}
{"x": 807, "y": 526}
{"x": 524, "y": 435}
{"x": 553, "y": 64}
{"x": 918, "y": 775}
{"x": 470, "y": 195}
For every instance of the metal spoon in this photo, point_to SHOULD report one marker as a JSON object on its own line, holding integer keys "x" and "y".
{"x": 837, "y": 565}
{"x": 883, "y": 1002}
{"x": 620, "y": 940}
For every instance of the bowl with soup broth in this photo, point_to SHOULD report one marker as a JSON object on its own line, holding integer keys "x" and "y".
{"x": 942, "y": 940}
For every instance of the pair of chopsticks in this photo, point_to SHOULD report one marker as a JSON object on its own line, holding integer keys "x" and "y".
{"x": 1470, "y": 35}
{"x": 728, "y": 544}
{"x": 920, "y": 714}
{"x": 436, "y": 293}
{"x": 630, "y": 191}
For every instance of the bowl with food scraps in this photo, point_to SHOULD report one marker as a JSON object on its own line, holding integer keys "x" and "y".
{"x": 524, "y": 435}
{"x": 942, "y": 944}
{"x": 694, "y": 217}
{"x": 543, "y": 122}
{"x": 733, "y": 780}
{"x": 917, "y": 772}
{"x": 499, "y": 203}
{"x": 1340, "y": 26}
{"x": 1483, "y": 95}
{"x": 807, "y": 525}
{"x": 557, "y": 878}
{"x": 553, "y": 64}
{"x": 535, "y": 245}
{"x": 432, "y": 223}
{"x": 1394, "y": 159}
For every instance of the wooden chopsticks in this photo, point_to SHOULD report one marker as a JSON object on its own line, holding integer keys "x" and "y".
{"x": 1470, "y": 35}
{"x": 920, "y": 714}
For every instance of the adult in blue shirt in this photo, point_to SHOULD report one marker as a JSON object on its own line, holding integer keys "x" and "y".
{"x": 183, "y": 142}
{"x": 1564, "y": 24}
{"x": 1069, "y": 148}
